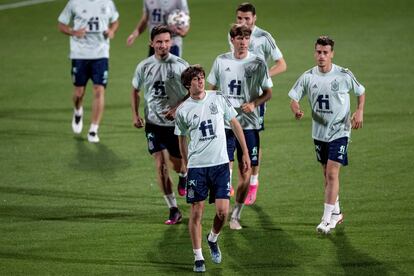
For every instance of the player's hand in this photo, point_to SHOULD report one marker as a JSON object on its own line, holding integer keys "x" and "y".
{"x": 170, "y": 114}
{"x": 138, "y": 122}
{"x": 79, "y": 33}
{"x": 246, "y": 162}
{"x": 131, "y": 38}
{"x": 248, "y": 107}
{"x": 357, "y": 119}
{"x": 109, "y": 34}
{"x": 299, "y": 114}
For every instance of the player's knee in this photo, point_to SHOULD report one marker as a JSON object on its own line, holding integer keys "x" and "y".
{"x": 221, "y": 214}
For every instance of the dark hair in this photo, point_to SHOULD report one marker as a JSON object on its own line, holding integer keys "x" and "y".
{"x": 242, "y": 30}
{"x": 160, "y": 30}
{"x": 325, "y": 40}
{"x": 190, "y": 73}
{"x": 246, "y": 7}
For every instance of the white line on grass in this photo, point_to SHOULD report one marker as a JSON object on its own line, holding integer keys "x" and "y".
{"x": 22, "y": 4}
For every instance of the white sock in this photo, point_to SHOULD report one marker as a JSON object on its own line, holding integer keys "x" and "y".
{"x": 213, "y": 236}
{"x": 171, "y": 201}
{"x": 94, "y": 128}
{"x": 182, "y": 174}
{"x": 327, "y": 212}
{"x": 237, "y": 210}
{"x": 231, "y": 173}
{"x": 254, "y": 179}
{"x": 79, "y": 112}
{"x": 198, "y": 255}
{"x": 337, "y": 209}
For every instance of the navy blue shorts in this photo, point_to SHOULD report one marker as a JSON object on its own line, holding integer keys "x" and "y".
{"x": 336, "y": 150}
{"x": 160, "y": 138}
{"x": 253, "y": 145}
{"x": 262, "y": 110}
{"x": 85, "y": 69}
{"x": 215, "y": 179}
{"x": 175, "y": 50}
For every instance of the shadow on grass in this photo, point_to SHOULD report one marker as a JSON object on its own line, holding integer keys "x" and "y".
{"x": 264, "y": 250}
{"x": 355, "y": 262}
{"x": 96, "y": 158}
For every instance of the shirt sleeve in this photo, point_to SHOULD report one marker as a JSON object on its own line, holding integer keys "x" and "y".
{"x": 66, "y": 15}
{"x": 137, "y": 78}
{"x": 358, "y": 88}
{"x": 213, "y": 78}
{"x": 114, "y": 12}
{"x": 180, "y": 126}
{"x": 184, "y": 6}
{"x": 298, "y": 90}
{"x": 266, "y": 81}
{"x": 228, "y": 110}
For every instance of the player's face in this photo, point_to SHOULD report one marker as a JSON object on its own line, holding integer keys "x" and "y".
{"x": 161, "y": 44}
{"x": 246, "y": 18}
{"x": 323, "y": 56}
{"x": 241, "y": 44}
{"x": 197, "y": 85}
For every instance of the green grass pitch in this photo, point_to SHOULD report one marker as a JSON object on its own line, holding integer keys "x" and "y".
{"x": 68, "y": 207}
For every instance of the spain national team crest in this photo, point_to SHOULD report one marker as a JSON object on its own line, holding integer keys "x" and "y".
{"x": 213, "y": 108}
{"x": 248, "y": 72}
{"x": 335, "y": 86}
{"x": 170, "y": 74}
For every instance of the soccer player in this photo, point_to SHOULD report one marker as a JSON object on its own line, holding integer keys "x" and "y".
{"x": 160, "y": 75}
{"x": 327, "y": 87}
{"x": 156, "y": 13}
{"x": 202, "y": 117}
{"x": 243, "y": 77}
{"x": 94, "y": 24}
{"x": 262, "y": 44}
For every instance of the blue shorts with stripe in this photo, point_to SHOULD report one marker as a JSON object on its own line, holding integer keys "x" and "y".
{"x": 336, "y": 150}
{"x": 160, "y": 138}
{"x": 252, "y": 141}
{"x": 94, "y": 69}
{"x": 201, "y": 181}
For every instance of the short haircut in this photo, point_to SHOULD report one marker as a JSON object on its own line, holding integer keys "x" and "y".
{"x": 246, "y": 7}
{"x": 239, "y": 30}
{"x": 190, "y": 73}
{"x": 160, "y": 30}
{"x": 325, "y": 40}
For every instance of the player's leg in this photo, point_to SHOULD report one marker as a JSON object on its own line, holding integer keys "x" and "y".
{"x": 99, "y": 73}
{"x": 195, "y": 229}
{"x": 79, "y": 78}
{"x": 231, "y": 148}
{"x": 171, "y": 142}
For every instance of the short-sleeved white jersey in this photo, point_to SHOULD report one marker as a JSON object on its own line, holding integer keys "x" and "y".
{"x": 161, "y": 80}
{"x": 203, "y": 121}
{"x": 158, "y": 11}
{"x": 328, "y": 95}
{"x": 95, "y": 16}
{"x": 262, "y": 44}
{"x": 242, "y": 81}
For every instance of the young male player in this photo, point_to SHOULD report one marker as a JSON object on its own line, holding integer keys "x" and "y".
{"x": 94, "y": 23}
{"x": 262, "y": 44}
{"x": 327, "y": 86}
{"x": 201, "y": 118}
{"x": 160, "y": 75}
{"x": 243, "y": 77}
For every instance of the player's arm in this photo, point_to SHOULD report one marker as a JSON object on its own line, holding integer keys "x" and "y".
{"x": 358, "y": 116}
{"x": 238, "y": 132}
{"x": 139, "y": 29}
{"x": 280, "y": 66}
{"x": 66, "y": 29}
{"x": 182, "y": 142}
{"x": 170, "y": 114}
{"x": 295, "y": 107}
{"x": 135, "y": 100}
{"x": 251, "y": 106}
{"x": 113, "y": 27}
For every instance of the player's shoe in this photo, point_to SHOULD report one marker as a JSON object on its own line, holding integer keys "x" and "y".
{"x": 175, "y": 216}
{"x": 214, "y": 251}
{"x": 181, "y": 185}
{"x": 251, "y": 196}
{"x": 77, "y": 123}
{"x": 323, "y": 227}
{"x": 93, "y": 137}
{"x": 199, "y": 266}
{"x": 336, "y": 219}
{"x": 231, "y": 191}
{"x": 235, "y": 224}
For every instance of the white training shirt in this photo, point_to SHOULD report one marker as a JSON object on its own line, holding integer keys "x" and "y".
{"x": 203, "y": 121}
{"x": 158, "y": 11}
{"x": 328, "y": 95}
{"x": 161, "y": 80}
{"x": 95, "y": 16}
{"x": 242, "y": 81}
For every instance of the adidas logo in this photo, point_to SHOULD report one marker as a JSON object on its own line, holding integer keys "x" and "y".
{"x": 340, "y": 157}
{"x": 315, "y": 86}
{"x": 195, "y": 116}
{"x": 227, "y": 69}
